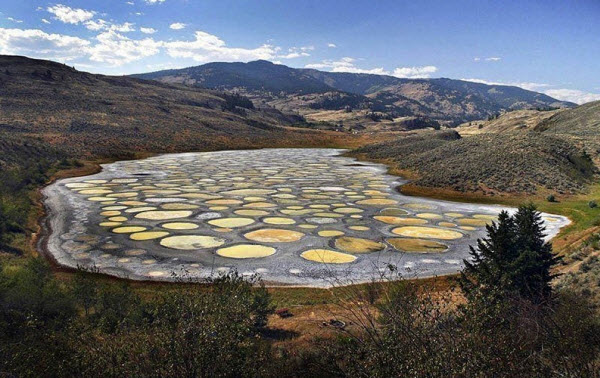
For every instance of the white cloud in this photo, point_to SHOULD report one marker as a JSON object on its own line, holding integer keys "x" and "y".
{"x": 39, "y": 44}
{"x": 116, "y": 49}
{"x": 148, "y": 30}
{"x": 96, "y": 25}
{"x": 70, "y": 15}
{"x": 347, "y": 64}
{"x": 530, "y": 86}
{"x": 332, "y": 45}
{"x": 297, "y": 52}
{"x": 129, "y": 2}
{"x": 563, "y": 94}
{"x": 123, "y": 28}
{"x": 14, "y": 20}
{"x": 207, "y": 47}
{"x": 293, "y": 55}
{"x": 415, "y": 72}
{"x": 100, "y": 24}
{"x": 177, "y": 26}
{"x": 45, "y": 21}
{"x": 573, "y": 95}
{"x": 154, "y": 1}
{"x": 488, "y": 59}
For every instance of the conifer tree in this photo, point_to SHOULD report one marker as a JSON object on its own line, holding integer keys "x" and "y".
{"x": 512, "y": 260}
{"x": 530, "y": 271}
{"x": 486, "y": 270}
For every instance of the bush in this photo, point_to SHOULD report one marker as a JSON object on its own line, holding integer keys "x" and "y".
{"x": 592, "y": 204}
{"x": 551, "y": 198}
{"x": 87, "y": 328}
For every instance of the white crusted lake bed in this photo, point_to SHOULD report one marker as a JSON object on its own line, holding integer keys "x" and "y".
{"x": 304, "y": 217}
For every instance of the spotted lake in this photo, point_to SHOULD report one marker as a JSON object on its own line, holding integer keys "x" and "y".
{"x": 293, "y": 216}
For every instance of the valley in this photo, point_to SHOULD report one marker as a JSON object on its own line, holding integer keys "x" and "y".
{"x": 332, "y": 199}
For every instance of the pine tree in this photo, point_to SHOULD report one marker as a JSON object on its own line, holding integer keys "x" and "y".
{"x": 530, "y": 271}
{"x": 512, "y": 260}
{"x": 487, "y": 269}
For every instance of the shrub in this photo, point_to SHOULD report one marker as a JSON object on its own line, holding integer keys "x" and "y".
{"x": 592, "y": 204}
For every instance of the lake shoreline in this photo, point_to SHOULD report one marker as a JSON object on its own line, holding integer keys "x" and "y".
{"x": 55, "y": 222}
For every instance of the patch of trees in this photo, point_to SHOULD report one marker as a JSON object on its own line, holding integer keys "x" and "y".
{"x": 25, "y": 166}
{"x": 337, "y": 101}
{"x": 235, "y": 100}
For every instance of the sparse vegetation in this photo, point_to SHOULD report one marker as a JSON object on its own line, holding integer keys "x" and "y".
{"x": 24, "y": 165}
{"x": 490, "y": 163}
{"x": 196, "y": 332}
{"x": 580, "y": 125}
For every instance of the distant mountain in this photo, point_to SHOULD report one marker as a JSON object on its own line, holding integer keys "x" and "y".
{"x": 308, "y": 91}
{"x": 96, "y": 115}
{"x": 259, "y": 75}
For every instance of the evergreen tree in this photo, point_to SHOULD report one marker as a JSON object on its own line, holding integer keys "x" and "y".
{"x": 486, "y": 270}
{"x": 512, "y": 260}
{"x": 4, "y": 226}
{"x": 530, "y": 271}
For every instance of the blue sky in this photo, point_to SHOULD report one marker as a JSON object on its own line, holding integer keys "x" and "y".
{"x": 549, "y": 46}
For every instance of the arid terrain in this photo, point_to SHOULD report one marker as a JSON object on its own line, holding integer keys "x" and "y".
{"x": 57, "y": 122}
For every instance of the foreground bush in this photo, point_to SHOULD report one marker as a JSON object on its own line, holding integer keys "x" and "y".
{"x": 415, "y": 334}
{"x": 197, "y": 332}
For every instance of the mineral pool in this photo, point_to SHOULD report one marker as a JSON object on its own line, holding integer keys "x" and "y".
{"x": 306, "y": 217}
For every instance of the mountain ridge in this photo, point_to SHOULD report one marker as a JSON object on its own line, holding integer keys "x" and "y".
{"x": 448, "y": 101}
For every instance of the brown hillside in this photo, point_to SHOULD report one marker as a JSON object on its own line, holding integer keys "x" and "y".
{"x": 90, "y": 114}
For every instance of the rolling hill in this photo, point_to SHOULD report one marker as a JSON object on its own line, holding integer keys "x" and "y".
{"x": 488, "y": 163}
{"x": 523, "y": 151}
{"x": 308, "y": 91}
{"x": 580, "y": 125}
{"x": 510, "y": 121}
{"x": 95, "y": 115}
